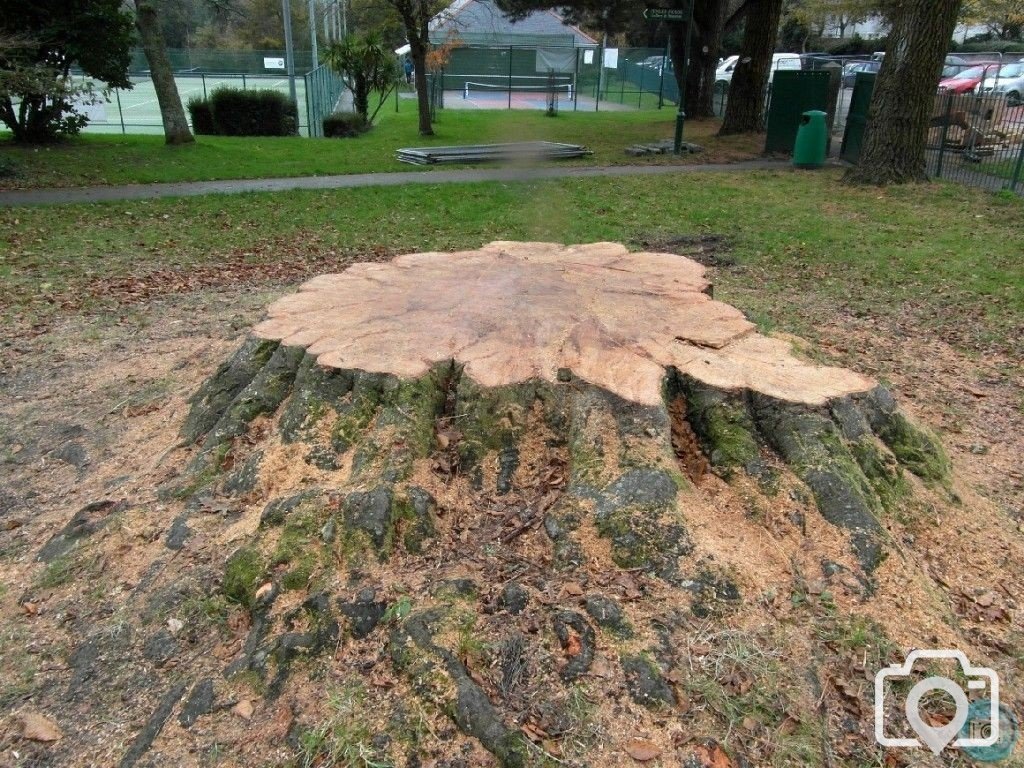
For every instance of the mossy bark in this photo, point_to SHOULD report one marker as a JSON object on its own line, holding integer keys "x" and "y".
{"x": 568, "y": 458}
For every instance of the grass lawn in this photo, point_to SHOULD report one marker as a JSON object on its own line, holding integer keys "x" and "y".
{"x": 116, "y": 159}
{"x": 936, "y": 256}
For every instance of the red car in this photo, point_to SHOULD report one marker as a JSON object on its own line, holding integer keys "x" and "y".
{"x": 969, "y": 79}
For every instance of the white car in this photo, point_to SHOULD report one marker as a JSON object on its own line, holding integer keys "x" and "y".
{"x": 1009, "y": 80}
{"x": 723, "y": 75}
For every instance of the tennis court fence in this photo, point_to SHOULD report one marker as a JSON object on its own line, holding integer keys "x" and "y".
{"x": 583, "y": 78}
{"x": 198, "y": 73}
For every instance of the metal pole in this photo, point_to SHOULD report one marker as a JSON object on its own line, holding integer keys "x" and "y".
{"x": 120, "y": 114}
{"x": 942, "y": 138}
{"x": 312, "y": 34}
{"x": 1017, "y": 170}
{"x": 576, "y": 82}
{"x": 510, "y": 77}
{"x": 681, "y": 114}
{"x": 661, "y": 81}
{"x": 289, "y": 53}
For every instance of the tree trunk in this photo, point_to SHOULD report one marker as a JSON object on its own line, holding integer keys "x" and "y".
{"x": 576, "y": 413}
{"x": 176, "y": 130}
{"x": 709, "y": 21}
{"x": 745, "y": 110}
{"x": 419, "y": 60}
{"x": 904, "y": 95}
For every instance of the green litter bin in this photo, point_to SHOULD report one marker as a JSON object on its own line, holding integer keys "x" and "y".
{"x": 811, "y": 140}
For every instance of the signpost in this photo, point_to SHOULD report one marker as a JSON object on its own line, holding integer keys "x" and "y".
{"x": 679, "y": 15}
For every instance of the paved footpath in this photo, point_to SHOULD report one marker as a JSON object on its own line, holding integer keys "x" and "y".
{"x": 62, "y": 195}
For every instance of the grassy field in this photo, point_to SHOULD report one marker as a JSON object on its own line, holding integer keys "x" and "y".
{"x": 116, "y": 159}
{"x": 804, "y": 242}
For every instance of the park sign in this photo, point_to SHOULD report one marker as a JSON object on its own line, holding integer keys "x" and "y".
{"x": 667, "y": 14}
{"x": 273, "y": 63}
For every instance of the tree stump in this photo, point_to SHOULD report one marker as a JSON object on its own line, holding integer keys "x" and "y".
{"x": 522, "y": 413}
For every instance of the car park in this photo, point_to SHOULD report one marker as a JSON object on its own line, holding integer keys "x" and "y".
{"x": 969, "y": 79}
{"x": 1009, "y": 80}
{"x": 851, "y": 70}
{"x": 723, "y": 75}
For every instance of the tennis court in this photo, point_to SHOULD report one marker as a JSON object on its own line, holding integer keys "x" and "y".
{"x": 137, "y": 110}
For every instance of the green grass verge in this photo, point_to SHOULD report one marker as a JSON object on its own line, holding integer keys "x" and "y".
{"x": 939, "y": 256}
{"x": 114, "y": 159}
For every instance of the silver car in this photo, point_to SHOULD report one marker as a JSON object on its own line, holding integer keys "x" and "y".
{"x": 1010, "y": 80}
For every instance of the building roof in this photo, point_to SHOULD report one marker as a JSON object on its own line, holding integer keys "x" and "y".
{"x": 481, "y": 22}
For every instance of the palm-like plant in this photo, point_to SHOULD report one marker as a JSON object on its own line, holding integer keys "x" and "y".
{"x": 366, "y": 66}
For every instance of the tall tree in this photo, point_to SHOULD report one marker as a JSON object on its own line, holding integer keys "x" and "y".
{"x": 172, "y": 114}
{"x": 416, "y": 16}
{"x": 904, "y": 95}
{"x": 1004, "y": 18}
{"x": 37, "y": 92}
{"x": 745, "y": 111}
{"x": 708, "y": 27}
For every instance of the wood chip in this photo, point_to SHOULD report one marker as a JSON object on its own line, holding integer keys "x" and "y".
{"x": 244, "y": 709}
{"x": 36, "y": 727}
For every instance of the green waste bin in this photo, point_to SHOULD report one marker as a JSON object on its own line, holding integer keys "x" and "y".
{"x": 811, "y": 140}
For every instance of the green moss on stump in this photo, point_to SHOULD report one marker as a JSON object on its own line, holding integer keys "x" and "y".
{"x": 243, "y": 575}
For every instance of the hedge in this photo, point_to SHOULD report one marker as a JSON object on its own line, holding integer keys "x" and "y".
{"x": 237, "y": 112}
{"x": 202, "y": 116}
{"x": 345, "y": 125}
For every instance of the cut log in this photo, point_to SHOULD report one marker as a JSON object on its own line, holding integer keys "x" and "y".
{"x": 569, "y": 406}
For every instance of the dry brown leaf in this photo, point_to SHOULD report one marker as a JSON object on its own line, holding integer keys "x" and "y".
{"x": 642, "y": 751}
{"x": 244, "y": 709}
{"x": 711, "y": 755}
{"x": 573, "y": 589}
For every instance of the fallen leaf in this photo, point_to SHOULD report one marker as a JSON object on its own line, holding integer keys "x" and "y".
{"x": 642, "y": 751}
{"x": 573, "y": 589}
{"x": 244, "y": 709}
{"x": 30, "y": 608}
{"x": 711, "y": 755}
{"x": 38, "y": 728}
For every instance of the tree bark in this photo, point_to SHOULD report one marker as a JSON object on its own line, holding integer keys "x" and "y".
{"x": 745, "y": 110}
{"x": 176, "y": 130}
{"x": 415, "y": 16}
{"x": 709, "y": 23}
{"x": 904, "y": 95}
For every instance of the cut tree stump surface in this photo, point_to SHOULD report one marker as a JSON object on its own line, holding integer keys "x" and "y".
{"x": 510, "y": 312}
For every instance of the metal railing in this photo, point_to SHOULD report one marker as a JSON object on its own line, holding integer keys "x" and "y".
{"x": 978, "y": 139}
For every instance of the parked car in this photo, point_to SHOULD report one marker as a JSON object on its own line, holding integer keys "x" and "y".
{"x": 969, "y": 79}
{"x": 1009, "y": 80}
{"x": 723, "y": 75}
{"x": 851, "y": 70}
{"x": 655, "y": 63}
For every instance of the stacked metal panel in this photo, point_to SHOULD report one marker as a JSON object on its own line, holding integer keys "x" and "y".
{"x": 479, "y": 153}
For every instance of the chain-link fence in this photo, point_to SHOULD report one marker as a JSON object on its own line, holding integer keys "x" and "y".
{"x": 198, "y": 73}
{"x": 577, "y": 78}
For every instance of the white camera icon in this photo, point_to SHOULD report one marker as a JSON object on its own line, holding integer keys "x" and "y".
{"x": 980, "y": 679}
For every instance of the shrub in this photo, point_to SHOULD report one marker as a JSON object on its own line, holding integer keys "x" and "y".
{"x": 202, "y": 116}
{"x": 8, "y": 170}
{"x": 253, "y": 113}
{"x": 345, "y": 125}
